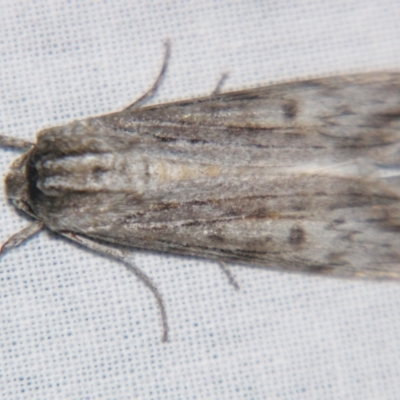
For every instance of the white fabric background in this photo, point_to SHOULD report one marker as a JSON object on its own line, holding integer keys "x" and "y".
{"x": 74, "y": 325}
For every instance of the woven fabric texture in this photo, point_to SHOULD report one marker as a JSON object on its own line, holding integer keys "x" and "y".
{"x": 74, "y": 325}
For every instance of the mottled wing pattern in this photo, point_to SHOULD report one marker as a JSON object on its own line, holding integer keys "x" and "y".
{"x": 303, "y": 176}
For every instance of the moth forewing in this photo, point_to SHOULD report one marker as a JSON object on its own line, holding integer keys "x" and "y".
{"x": 301, "y": 176}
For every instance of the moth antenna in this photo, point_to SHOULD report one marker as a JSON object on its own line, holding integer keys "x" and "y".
{"x": 123, "y": 257}
{"x": 150, "y": 93}
{"x": 7, "y": 141}
{"x": 20, "y": 237}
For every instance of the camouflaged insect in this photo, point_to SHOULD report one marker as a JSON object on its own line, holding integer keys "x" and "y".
{"x": 301, "y": 176}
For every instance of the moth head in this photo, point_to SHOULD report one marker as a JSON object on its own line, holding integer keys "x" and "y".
{"x": 17, "y": 184}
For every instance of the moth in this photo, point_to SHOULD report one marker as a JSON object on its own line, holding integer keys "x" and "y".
{"x": 301, "y": 176}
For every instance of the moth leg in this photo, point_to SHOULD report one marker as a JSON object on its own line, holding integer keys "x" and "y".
{"x": 123, "y": 257}
{"x": 24, "y": 234}
{"x": 7, "y": 141}
{"x": 229, "y": 275}
{"x": 150, "y": 93}
{"x": 220, "y": 83}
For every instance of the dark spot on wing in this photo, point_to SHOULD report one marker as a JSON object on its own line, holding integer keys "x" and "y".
{"x": 386, "y": 118}
{"x": 339, "y": 221}
{"x": 217, "y": 238}
{"x": 164, "y": 206}
{"x": 336, "y": 258}
{"x": 297, "y": 235}
{"x": 262, "y": 213}
{"x": 290, "y": 108}
{"x": 98, "y": 171}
